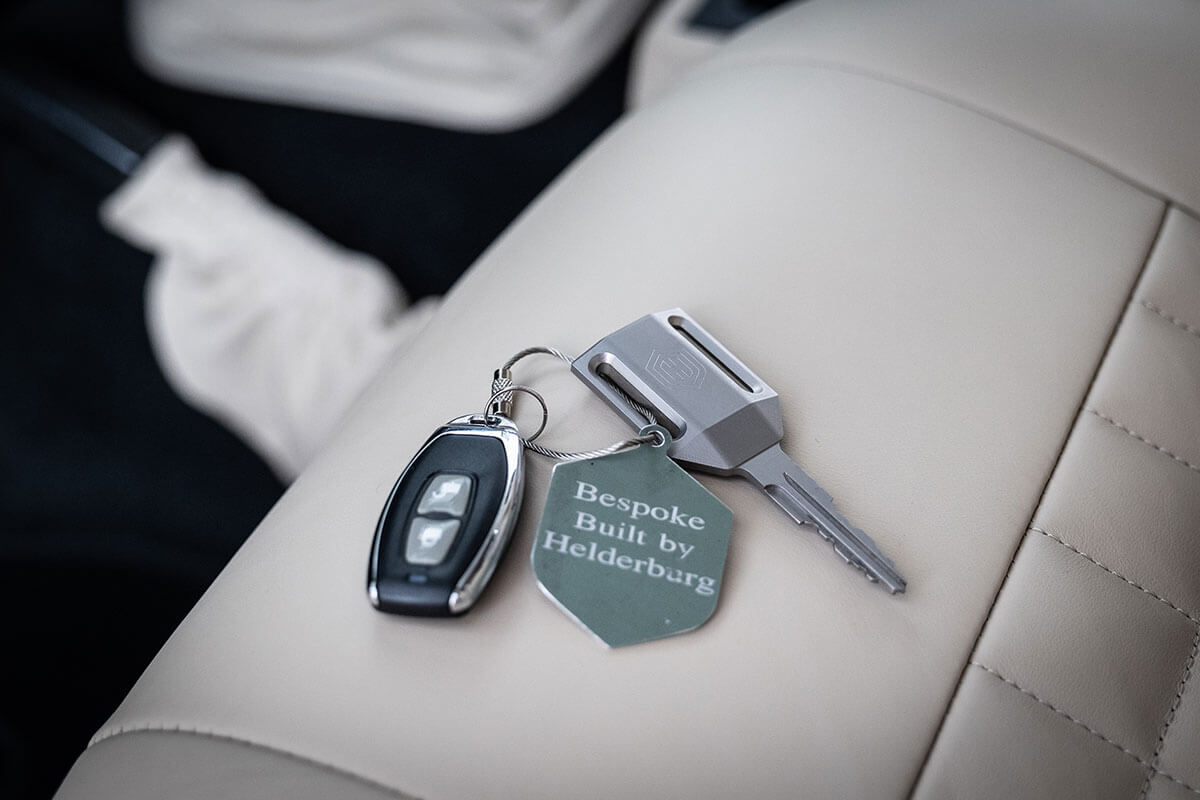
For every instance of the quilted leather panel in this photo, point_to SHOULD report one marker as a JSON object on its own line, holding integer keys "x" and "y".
{"x": 1098, "y": 622}
{"x": 1162, "y": 788}
{"x": 1174, "y": 290}
{"x": 1181, "y": 747}
{"x": 1108, "y": 481}
{"x": 1052, "y": 634}
{"x": 1055, "y": 755}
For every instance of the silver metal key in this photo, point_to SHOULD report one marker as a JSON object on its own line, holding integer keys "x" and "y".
{"x": 724, "y": 418}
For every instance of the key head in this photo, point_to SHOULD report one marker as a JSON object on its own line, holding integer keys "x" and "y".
{"x": 448, "y": 519}
{"x": 720, "y": 413}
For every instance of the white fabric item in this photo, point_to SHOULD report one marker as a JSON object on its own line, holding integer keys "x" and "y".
{"x": 485, "y": 65}
{"x": 254, "y": 317}
{"x": 667, "y": 47}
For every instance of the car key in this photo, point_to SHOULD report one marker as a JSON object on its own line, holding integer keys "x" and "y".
{"x": 724, "y": 418}
{"x": 448, "y": 519}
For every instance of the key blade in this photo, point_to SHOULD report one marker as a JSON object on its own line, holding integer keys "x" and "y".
{"x": 781, "y": 479}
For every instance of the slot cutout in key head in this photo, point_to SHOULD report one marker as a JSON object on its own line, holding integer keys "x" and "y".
{"x": 719, "y": 411}
{"x": 615, "y": 375}
{"x": 726, "y": 361}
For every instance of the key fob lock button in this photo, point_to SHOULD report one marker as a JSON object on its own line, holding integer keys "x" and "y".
{"x": 429, "y": 540}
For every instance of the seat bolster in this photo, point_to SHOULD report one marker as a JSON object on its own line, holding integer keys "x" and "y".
{"x": 1113, "y": 82}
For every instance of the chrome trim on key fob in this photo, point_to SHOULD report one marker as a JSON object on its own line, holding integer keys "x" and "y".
{"x": 449, "y": 585}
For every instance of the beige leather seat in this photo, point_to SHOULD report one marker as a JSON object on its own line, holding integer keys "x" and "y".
{"x": 962, "y": 240}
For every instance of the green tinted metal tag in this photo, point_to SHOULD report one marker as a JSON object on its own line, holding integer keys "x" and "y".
{"x": 631, "y": 546}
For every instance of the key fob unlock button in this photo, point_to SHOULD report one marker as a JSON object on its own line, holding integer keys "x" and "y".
{"x": 447, "y": 493}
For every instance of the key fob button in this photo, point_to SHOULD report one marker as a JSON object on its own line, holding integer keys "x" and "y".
{"x": 429, "y": 540}
{"x": 447, "y": 493}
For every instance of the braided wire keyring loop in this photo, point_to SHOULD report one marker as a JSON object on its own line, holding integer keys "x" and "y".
{"x": 503, "y": 386}
{"x": 490, "y": 419}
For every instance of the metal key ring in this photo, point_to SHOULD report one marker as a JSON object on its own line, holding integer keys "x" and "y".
{"x": 518, "y": 387}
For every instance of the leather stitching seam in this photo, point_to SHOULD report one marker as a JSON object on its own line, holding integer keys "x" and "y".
{"x": 225, "y": 737}
{"x": 1116, "y": 574}
{"x": 1149, "y": 254}
{"x": 1189, "y": 666}
{"x": 1166, "y": 726}
{"x": 1143, "y": 439}
{"x": 1143, "y": 762}
{"x": 1176, "y": 321}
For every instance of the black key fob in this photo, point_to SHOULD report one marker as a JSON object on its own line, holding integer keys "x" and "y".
{"x": 448, "y": 520}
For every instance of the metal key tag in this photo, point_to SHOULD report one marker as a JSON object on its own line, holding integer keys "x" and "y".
{"x": 631, "y": 546}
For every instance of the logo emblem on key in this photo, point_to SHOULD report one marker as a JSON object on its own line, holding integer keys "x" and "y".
{"x": 678, "y": 369}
